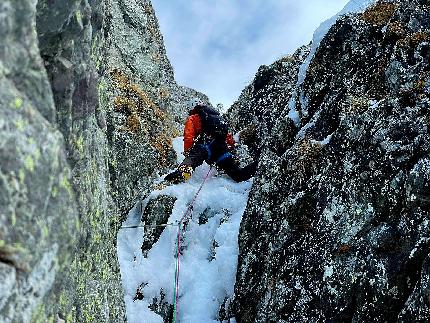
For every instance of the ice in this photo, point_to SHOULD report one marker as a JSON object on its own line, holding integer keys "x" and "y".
{"x": 207, "y": 273}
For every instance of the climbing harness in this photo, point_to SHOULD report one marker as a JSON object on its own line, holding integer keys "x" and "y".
{"x": 183, "y": 221}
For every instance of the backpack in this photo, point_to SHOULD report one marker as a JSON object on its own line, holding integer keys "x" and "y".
{"x": 212, "y": 122}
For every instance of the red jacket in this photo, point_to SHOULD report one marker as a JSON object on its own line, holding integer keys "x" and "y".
{"x": 193, "y": 128}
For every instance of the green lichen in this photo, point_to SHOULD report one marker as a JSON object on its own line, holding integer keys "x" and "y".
{"x": 94, "y": 52}
{"x": 97, "y": 238}
{"x": 80, "y": 144}
{"x": 29, "y": 163}
{"x": 62, "y": 300}
{"x": 13, "y": 219}
{"x": 64, "y": 183}
{"x": 78, "y": 225}
{"x": 78, "y": 16}
{"x": 20, "y": 124}
{"x": 21, "y": 176}
{"x": 17, "y": 103}
{"x": 19, "y": 248}
{"x": 37, "y": 154}
{"x": 54, "y": 191}
{"x": 45, "y": 232}
{"x": 70, "y": 318}
{"x": 39, "y": 315}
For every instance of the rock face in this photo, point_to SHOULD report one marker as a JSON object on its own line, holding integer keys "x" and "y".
{"x": 155, "y": 214}
{"x": 88, "y": 107}
{"x": 336, "y": 227}
{"x": 265, "y": 100}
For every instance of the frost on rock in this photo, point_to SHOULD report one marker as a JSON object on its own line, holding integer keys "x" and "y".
{"x": 209, "y": 251}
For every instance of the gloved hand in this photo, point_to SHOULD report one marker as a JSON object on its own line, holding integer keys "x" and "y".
{"x": 186, "y": 171}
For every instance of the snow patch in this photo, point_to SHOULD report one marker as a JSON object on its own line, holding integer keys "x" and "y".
{"x": 328, "y": 272}
{"x": 293, "y": 114}
{"x": 178, "y": 146}
{"x": 323, "y": 142}
{"x": 208, "y": 262}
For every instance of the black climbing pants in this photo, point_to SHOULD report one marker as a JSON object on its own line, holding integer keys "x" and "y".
{"x": 216, "y": 152}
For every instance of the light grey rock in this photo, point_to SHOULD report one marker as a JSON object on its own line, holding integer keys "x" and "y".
{"x": 72, "y": 165}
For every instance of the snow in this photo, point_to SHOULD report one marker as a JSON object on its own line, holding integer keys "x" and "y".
{"x": 293, "y": 114}
{"x": 204, "y": 282}
{"x": 323, "y": 142}
{"x": 178, "y": 143}
{"x": 328, "y": 272}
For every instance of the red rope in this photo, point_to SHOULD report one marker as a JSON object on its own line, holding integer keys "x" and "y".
{"x": 178, "y": 252}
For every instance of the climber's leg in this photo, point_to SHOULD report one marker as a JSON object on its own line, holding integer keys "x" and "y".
{"x": 232, "y": 169}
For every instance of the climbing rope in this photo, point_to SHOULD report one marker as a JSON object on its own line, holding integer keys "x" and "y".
{"x": 150, "y": 226}
{"x": 184, "y": 220}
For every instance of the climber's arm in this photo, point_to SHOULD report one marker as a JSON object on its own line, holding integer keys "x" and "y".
{"x": 189, "y": 133}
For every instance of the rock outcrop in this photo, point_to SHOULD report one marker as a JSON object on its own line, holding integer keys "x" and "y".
{"x": 336, "y": 228}
{"x": 88, "y": 108}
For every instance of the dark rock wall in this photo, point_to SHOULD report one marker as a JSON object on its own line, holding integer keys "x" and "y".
{"x": 266, "y": 99}
{"x": 336, "y": 228}
{"x": 88, "y": 109}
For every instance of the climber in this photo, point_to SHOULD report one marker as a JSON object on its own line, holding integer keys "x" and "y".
{"x": 206, "y": 138}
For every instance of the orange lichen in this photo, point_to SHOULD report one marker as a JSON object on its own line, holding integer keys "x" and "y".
{"x": 343, "y": 249}
{"x": 356, "y": 105}
{"x": 396, "y": 28}
{"x": 163, "y": 145}
{"x": 287, "y": 59}
{"x": 414, "y": 39}
{"x": 307, "y": 154}
{"x": 164, "y": 93}
{"x": 144, "y": 117}
{"x": 124, "y": 105}
{"x": 148, "y": 8}
{"x": 133, "y": 123}
{"x": 379, "y": 14}
{"x": 309, "y": 149}
{"x": 420, "y": 84}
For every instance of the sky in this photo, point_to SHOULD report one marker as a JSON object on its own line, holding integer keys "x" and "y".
{"x": 216, "y": 47}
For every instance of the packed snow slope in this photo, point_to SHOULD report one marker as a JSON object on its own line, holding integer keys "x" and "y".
{"x": 336, "y": 228}
{"x": 209, "y": 249}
